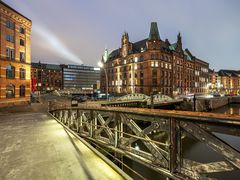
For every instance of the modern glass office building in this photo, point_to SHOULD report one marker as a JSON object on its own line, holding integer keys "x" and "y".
{"x": 80, "y": 79}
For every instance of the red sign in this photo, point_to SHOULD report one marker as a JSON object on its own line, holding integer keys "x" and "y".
{"x": 34, "y": 84}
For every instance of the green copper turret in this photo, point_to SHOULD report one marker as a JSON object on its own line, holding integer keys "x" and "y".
{"x": 154, "y": 34}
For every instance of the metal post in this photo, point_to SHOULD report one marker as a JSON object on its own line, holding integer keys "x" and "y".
{"x": 105, "y": 71}
{"x": 91, "y": 123}
{"x": 194, "y": 103}
{"x": 173, "y": 146}
{"x": 152, "y": 106}
{"x": 77, "y": 119}
{"x": 116, "y": 128}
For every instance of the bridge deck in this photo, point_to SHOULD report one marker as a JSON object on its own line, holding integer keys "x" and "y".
{"x": 35, "y": 146}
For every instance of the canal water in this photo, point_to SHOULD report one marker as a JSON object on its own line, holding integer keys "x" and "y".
{"x": 196, "y": 151}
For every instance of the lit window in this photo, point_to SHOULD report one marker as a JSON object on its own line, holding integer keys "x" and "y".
{"x": 170, "y": 66}
{"x": 162, "y": 65}
{"x": 152, "y": 64}
{"x": 136, "y": 59}
{"x": 125, "y": 61}
{"x": 135, "y": 67}
{"x": 166, "y": 66}
{"x": 156, "y": 64}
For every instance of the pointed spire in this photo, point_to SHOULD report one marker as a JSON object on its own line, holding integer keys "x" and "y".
{"x": 179, "y": 38}
{"x": 167, "y": 42}
{"x": 154, "y": 34}
{"x": 105, "y": 56}
{"x": 179, "y": 43}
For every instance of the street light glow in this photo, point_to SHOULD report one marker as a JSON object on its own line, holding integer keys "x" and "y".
{"x": 100, "y": 64}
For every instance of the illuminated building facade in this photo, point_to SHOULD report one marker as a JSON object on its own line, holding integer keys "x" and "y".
{"x": 227, "y": 82}
{"x": 15, "y": 60}
{"x": 46, "y": 77}
{"x": 80, "y": 79}
{"x": 154, "y": 65}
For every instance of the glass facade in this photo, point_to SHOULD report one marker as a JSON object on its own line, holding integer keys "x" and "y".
{"x": 80, "y": 78}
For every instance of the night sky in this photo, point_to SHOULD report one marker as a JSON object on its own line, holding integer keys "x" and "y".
{"x": 77, "y": 31}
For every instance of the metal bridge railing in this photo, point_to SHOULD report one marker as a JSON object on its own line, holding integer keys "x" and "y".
{"x": 155, "y": 137}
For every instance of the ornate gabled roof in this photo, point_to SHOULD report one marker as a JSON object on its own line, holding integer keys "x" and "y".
{"x": 137, "y": 47}
{"x": 166, "y": 46}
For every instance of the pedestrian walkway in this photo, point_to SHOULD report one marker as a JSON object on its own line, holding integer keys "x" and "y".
{"x": 34, "y": 146}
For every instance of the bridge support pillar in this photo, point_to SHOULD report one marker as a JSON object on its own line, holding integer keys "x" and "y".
{"x": 175, "y": 145}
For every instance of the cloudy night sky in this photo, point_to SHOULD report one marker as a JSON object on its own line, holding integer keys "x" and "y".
{"x": 77, "y": 31}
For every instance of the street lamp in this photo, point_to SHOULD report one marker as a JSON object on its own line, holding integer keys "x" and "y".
{"x": 101, "y": 65}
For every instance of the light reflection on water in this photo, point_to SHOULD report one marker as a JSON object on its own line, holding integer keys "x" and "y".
{"x": 233, "y": 109}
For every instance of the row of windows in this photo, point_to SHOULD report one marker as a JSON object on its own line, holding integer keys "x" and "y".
{"x": 10, "y": 91}
{"x": 11, "y": 25}
{"x": 11, "y": 38}
{"x": 10, "y": 72}
{"x": 10, "y": 54}
{"x": 162, "y": 57}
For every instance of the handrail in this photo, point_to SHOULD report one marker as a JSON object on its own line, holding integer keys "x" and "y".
{"x": 201, "y": 117}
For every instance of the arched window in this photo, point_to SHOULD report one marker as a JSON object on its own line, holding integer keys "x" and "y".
{"x": 10, "y": 72}
{"x": 10, "y": 91}
{"x": 22, "y": 91}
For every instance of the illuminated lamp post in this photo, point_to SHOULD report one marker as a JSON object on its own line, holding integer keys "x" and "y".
{"x": 101, "y": 65}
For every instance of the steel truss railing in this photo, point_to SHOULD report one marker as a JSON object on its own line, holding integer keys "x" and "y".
{"x": 119, "y": 130}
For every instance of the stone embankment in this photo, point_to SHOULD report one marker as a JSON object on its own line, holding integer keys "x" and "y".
{"x": 207, "y": 104}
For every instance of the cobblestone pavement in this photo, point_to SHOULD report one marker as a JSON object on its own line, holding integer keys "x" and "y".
{"x": 35, "y": 146}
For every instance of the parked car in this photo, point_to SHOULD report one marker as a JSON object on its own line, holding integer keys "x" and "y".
{"x": 80, "y": 98}
{"x": 215, "y": 94}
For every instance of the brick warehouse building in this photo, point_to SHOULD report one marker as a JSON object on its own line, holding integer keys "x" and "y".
{"x": 15, "y": 60}
{"x": 46, "y": 77}
{"x": 154, "y": 65}
{"x": 226, "y": 82}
